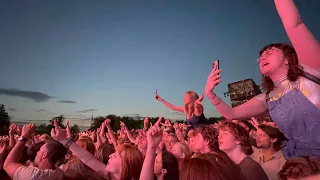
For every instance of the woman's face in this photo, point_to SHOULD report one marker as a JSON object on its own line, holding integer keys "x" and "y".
{"x": 271, "y": 60}
{"x": 114, "y": 163}
{"x": 142, "y": 144}
{"x": 177, "y": 151}
{"x": 157, "y": 169}
{"x": 192, "y": 142}
{"x": 187, "y": 98}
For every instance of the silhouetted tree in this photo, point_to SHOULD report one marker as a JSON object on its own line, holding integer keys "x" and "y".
{"x": 60, "y": 120}
{"x": 44, "y": 129}
{"x": 96, "y": 123}
{"x": 4, "y": 120}
{"x": 75, "y": 128}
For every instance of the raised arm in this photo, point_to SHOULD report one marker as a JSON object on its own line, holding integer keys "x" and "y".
{"x": 251, "y": 108}
{"x": 85, "y": 156}
{"x": 305, "y": 44}
{"x": 248, "y": 109}
{"x": 154, "y": 137}
{"x": 170, "y": 106}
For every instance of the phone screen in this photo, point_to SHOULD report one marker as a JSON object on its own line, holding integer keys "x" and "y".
{"x": 218, "y": 64}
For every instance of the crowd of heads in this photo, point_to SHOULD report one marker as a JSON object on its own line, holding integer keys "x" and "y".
{"x": 206, "y": 152}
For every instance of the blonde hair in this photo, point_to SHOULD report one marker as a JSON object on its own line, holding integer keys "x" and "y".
{"x": 185, "y": 149}
{"x": 190, "y": 110}
{"x": 87, "y": 144}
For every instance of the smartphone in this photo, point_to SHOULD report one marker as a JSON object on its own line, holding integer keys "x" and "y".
{"x": 218, "y": 64}
{"x": 157, "y": 94}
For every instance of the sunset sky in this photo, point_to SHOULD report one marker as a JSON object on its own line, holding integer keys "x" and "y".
{"x": 84, "y": 58}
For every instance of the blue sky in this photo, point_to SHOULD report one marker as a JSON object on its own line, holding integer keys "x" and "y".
{"x": 110, "y": 56}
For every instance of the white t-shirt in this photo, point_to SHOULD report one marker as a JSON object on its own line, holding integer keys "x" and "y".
{"x": 34, "y": 173}
{"x": 309, "y": 88}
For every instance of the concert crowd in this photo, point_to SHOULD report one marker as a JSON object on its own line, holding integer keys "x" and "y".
{"x": 237, "y": 148}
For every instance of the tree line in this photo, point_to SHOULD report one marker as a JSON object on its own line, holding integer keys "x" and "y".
{"x": 131, "y": 123}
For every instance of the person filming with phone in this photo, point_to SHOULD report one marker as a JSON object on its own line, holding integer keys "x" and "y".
{"x": 290, "y": 81}
{"x": 193, "y": 108}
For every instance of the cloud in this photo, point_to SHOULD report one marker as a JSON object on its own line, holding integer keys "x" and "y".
{"x": 87, "y": 110}
{"x": 12, "y": 109}
{"x": 33, "y": 95}
{"x": 178, "y": 113}
{"x": 75, "y": 115}
{"x": 41, "y": 110}
{"x": 67, "y": 101}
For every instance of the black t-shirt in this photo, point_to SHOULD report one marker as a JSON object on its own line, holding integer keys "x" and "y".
{"x": 251, "y": 170}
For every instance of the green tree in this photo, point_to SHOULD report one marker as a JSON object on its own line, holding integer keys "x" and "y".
{"x": 96, "y": 122}
{"x": 4, "y": 120}
{"x": 75, "y": 128}
{"x": 60, "y": 120}
{"x": 44, "y": 129}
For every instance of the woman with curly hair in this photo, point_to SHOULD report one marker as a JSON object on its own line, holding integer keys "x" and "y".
{"x": 290, "y": 80}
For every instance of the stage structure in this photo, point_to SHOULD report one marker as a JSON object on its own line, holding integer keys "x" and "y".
{"x": 242, "y": 91}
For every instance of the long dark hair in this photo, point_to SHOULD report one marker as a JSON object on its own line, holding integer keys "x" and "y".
{"x": 294, "y": 71}
{"x": 170, "y": 163}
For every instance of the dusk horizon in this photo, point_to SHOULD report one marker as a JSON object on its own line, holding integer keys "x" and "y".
{"x": 108, "y": 57}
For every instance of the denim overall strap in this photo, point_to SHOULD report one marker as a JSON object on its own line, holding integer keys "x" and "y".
{"x": 299, "y": 119}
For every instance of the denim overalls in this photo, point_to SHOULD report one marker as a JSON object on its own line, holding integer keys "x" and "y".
{"x": 299, "y": 119}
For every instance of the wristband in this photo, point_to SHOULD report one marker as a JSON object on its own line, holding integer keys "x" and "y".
{"x": 210, "y": 97}
{"x": 68, "y": 144}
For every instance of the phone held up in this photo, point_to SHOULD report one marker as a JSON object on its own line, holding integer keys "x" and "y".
{"x": 217, "y": 64}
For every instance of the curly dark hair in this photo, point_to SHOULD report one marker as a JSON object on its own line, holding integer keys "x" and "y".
{"x": 210, "y": 134}
{"x": 240, "y": 134}
{"x": 299, "y": 167}
{"x": 294, "y": 71}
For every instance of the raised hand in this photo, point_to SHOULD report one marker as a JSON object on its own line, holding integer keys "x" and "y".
{"x": 28, "y": 130}
{"x": 255, "y": 122}
{"x": 12, "y": 129}
{"x": 154, "y": 137}
{"x": 146, "y": 120}
{"x": 199, "y": 100}
{"x": 158, "y": 122}
{"x": 58, "y": 133}
{"x": 167, "y": 123}
{"x": 176, "y": 125}
{"x": 213, "y": 79}
{"x": 68, "y": 129}
{"x": 123, "y": 125}
{"x": 157, "y": 97}
{"x": 107, "y": 122}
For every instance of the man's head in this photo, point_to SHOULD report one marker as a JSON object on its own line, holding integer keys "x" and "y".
{"x": 268, "y": 136}
{"x": 206, "y": 139}
{"x": 171, "y": 141}
{"x": 232, "y": 136}
{"x": 50, "y": 154}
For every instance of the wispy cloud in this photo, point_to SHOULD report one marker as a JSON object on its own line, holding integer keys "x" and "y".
{"x": 12, "y": 109}
{"x": 41, "y": 110}
{"x": 33, "y": 95}
{"x": 178, "y": 114}
{"x": 67, "y": 101}
{"x": 87, "y": 110}
{"x": 75, "y": 115}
